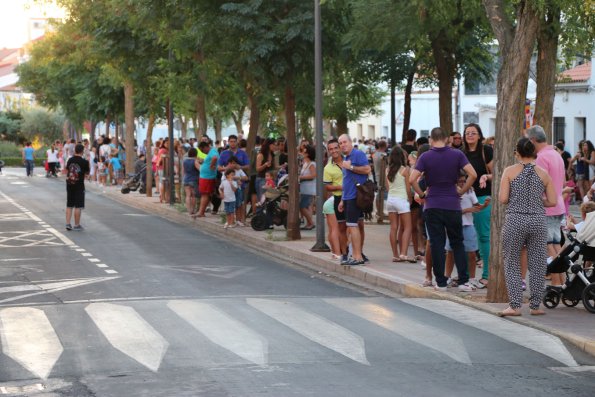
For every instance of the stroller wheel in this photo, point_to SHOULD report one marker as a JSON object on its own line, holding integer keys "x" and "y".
{"x": 570, "y": 302}
{"x": 551, "y": 299}
{"x": 589, "y": 298}
{"x": 259, "y": 222}
{"x": 125, "y": 190}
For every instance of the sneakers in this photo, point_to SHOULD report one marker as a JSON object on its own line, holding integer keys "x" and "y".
{"x": 68, "y": 226}
{"x": 440, "y": 289}
{"x": 78, "y": 228}
{"x": 352, "y": 262}
{"x": 365, "y": 258}
{"x": 238, "y": 223}
{"x": 226, "y": 225}
{"x": 467, "y": 287}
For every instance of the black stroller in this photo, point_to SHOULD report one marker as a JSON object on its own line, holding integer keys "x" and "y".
{"x": 1, "y": 165}
{"x": 580, "y": 282}
{"x": 274, "y": 209}
{"x": 135, "y": 182}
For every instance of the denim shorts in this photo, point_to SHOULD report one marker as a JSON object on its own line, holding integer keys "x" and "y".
{"x": 554, "y": 235}
{"x": 469, "y": 239}
{"x": 352, "y": 213}
{"x": 305, "y": 200}
{"x": 239, "y": 198}
{"x": 230, "y": 207}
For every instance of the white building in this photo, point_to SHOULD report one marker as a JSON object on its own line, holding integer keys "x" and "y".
{"x": 574, "y": 104}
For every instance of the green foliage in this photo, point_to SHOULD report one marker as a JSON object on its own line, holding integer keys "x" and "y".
{"x": 10, "y": 127}
{"x": 43, "y": 124}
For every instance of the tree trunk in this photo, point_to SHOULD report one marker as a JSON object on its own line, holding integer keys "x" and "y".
{"x": 254, "y": 120}
{"x": 92, "y": 132}
{"x": 218, "y": 126}
{"x": 129, "y": 118}
{"x": 341, "y": 125}
{"x": 66, "y": 129}
{"x": 516, "y": 47}
{"x": 547, "y": 53}
{"x": 238, "y": 117}
{"x": 306, "y": 129}
{"x": 201, "y": 115}
{"x": 445, "y": 69}
{"x": 393, "y": 112}
{"x": 149, "y": 156}
{"x": 293, "y": 214}
{"x": 407, "y": 104}
{"x": 117, "y": 137}
{"x": 107, "y": 123}
{"x": 184, "y": 126}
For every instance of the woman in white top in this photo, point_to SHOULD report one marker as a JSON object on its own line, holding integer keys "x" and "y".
{"x": 307, "y": 185}
{"x": 52, "y": 159}
{"x": 398, "y": 205}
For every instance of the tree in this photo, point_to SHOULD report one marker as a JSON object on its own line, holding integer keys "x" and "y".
{"x": 42, "y": 124}
{"x": 516, "y": 35}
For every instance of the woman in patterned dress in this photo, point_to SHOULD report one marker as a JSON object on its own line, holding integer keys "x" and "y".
{"x": 527, "y": 189}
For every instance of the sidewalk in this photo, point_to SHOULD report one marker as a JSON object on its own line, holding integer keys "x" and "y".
{"x": 574, "y": 325}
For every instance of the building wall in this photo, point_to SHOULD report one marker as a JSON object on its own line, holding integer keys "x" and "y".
{"x": 577, "y": 109}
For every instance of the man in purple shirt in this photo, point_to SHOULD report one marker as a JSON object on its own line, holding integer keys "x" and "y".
{"x": 551, "y": 161}
{"x": 441, "y": 166}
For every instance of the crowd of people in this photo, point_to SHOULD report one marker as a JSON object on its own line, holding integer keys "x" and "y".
{"x": 436, "y": 194}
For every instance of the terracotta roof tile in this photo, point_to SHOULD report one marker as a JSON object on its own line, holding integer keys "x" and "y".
{"x": 576, "y": 74}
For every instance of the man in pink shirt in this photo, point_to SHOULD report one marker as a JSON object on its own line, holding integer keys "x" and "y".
{"x": 551, "y": 161}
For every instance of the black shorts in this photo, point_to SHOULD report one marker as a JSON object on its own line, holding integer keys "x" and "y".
{"x": 252, "y": 185}
{"x": 340, "y": 215}
{"x": 352, "y": 213}
{"x": 75, "y": 197}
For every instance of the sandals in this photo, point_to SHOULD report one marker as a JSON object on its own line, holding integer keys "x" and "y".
{"x": 509, "y": 312}
{"x": 398, "y": 259}
{"x": 481, "y": 283}
{"x": 404, "y": 258}
{"x": 537, "y": 312}
{"x": 427, "y": 283}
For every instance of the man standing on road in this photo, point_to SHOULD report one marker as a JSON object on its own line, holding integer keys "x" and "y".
{"x": 77, "y": 168}
{"x": 441, "y": 166}
{"x": 29, "y": 158}
{"x": 355, "y": 171}
{"x": 380, "y": 160}
{"x": 549, "y": 159}
{"x": 333, "y": 181}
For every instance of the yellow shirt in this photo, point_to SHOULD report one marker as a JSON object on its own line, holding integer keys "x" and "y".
{"x": 333, "y": 175}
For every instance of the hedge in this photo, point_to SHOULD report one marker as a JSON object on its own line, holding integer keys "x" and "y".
{"x": 18, "y": 162}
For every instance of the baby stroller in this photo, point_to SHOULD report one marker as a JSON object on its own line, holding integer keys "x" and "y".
{"x": 1, "y": 165}
{"x": 274, "y": 209}
{"x": 580, "y": 282}
{"x": 135, "y": 182}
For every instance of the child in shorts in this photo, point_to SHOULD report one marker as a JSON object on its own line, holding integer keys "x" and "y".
{"x": 227, "y": 190}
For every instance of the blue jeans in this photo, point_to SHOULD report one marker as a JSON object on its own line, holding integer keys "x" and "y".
{"x": 441, "y": 223}
{"x": 29, "y": 164}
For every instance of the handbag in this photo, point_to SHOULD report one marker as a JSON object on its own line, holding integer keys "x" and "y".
{"x": 365, "y": 193}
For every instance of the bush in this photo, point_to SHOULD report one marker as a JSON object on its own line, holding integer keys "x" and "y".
{"x": 11, "y": 149}
{"x": 18, "y": 161}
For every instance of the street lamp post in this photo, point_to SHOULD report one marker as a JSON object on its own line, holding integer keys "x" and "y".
{"x": 170, "y": 134}
{"x": 320, "y": 245}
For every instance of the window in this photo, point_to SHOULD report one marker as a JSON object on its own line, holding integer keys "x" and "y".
{"x": 470, "y": 117}
{"x": 424, "y": 133}
{"x": 360, "y": 130}
{"x": 371, "y": 132}
{"x": 559, "y": 128}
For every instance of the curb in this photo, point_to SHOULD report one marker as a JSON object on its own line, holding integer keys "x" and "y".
{"x": 368, "y": 278}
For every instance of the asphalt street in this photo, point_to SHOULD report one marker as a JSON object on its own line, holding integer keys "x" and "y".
{"x": 136, "y": 305}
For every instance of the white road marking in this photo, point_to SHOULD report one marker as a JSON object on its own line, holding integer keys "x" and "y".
{"x": 20, "y": 259}
{"x": 17, "y": 216}
{"x": 223, "y": 330}
{"x": 128, "y": 332}
{"x": 572, "y": 370}
{"x": 53, "y": 286}
{"x": 94, "y": 260}
{"x": 421, "y": 333}
{"x": 80, "y": 250}
{"x": 18, "y": 183}
{"x": 136, "y": 215}
{"x": 528, "y": 337}
{"x": 111, "y": 271}
{"x": 27, "y": 238}
{"x": 102, "y": 265}
{"x": 86, "y": 254}
{"x": 62, "y": 237}
{"x": 29, "y": 339}
{"x": 316, "y": 328}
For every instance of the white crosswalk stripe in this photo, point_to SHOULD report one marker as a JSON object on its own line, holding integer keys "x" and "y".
{"x": 424, "y": 334}
{"x": 29, "y": 339}
{"x": 223, "y": 330}
{"x": 128, "y": 332}
{"x": 530, "y": 338}
{"x": 313, "y": 327}
{"x": 265, "y": 332}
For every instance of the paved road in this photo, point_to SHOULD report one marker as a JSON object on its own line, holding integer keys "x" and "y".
{"x": 139, "y": 306}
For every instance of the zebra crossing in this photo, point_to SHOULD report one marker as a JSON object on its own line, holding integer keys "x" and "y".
{"x": 50, "y": 341}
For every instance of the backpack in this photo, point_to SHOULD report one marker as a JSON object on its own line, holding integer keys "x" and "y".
{"x": 365, "y": 195}
{"x": 74, "y": 171}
